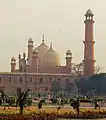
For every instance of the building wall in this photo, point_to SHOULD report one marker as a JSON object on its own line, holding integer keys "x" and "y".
{"x": 47, "y": 69}
{"x": 35, "y": 81}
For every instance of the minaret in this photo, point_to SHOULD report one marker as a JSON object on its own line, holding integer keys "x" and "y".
{"x": 68, "y": 60}
{"x": 19, "y": 57}
{"x": 30, "y": 48}
{"x": 35, "y": 60}
{"x": 89, "y": 60}
{"x": 24, "y": 62}
{"x": 13, "y": 64}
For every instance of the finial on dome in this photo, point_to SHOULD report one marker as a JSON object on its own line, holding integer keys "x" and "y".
{"x": 51, "y": 45}
{"x": 43, "y": 38}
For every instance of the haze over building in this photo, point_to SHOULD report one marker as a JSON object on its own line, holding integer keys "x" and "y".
{"x": 23, "y": 19}
{"x": 41, "y": 66}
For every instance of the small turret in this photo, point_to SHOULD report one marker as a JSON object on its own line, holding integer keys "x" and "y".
{"x": 89, "y": 12}
{"x": 30, "y": 42}
{"x": 24, "y": 55}
{"x": 13, "y": 59}
{"x": 35, "y": 60}
{"x": 19, "y": 56}
{"x": 89, "y": 15}
{"x": 69, "y": 60}
{"x": 30, "y": 48}
{"x": 35, "y": 53}
{"x": 68, "y": 54}
{"x": 13, "y": 64}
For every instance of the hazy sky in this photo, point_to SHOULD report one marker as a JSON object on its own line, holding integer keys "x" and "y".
{"x": 60, "y": 20}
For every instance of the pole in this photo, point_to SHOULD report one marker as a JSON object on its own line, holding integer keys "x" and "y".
{"x": 55, "y": 81}
{"x": 25, "y": 77}
{"x": 37, "y": 81}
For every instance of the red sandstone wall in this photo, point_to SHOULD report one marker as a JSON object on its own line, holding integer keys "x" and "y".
{"x": 10, "y": 82}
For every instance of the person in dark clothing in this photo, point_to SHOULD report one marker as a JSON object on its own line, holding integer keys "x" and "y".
{"x": 62, "y": 102}
{"x": 40, "y": 105}
{"x": 96, "y": 105}
{"x": 76, "y": 104}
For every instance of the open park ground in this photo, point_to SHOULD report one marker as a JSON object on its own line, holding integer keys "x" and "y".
{"x": 49, "y": 113}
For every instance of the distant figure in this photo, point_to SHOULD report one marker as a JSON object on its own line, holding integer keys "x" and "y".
{"x": 96, "y": 105}
{"x": 40, "y": 105}
{"x": 39, "y": 95}
{"x": 76, "y": 104}
{"x": 58, "y": 108}
{"x": 49, "y": 96}
{"x": 62, "y": 102}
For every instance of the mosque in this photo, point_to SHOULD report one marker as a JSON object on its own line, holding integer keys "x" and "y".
{"x": 41, "y": 65}
{"x": 42, "y": 59}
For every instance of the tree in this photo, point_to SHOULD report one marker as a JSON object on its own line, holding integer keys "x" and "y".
{"x": 94, "y": 85}
{"x": 97, "y": 70}
{"x": 22, "y": 97}
{"x": 97, "y": 84}
{"x": 78, "y": 72}
{"x": 6, "y": 99}
{"x": 78, "y": 69}
{"x": 82, "y": 86}
{"x": 70, "y": 87}
{"x": 55, "y": 86}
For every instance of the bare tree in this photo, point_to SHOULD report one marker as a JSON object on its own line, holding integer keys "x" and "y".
{"x": 97, "y": 70}
{"x": 78, "y": 69}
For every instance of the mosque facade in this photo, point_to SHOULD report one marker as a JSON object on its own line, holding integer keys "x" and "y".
{"x": 41, "y": 65}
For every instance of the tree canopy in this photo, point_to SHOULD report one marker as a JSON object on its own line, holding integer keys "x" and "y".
{"x": 94, "y": 85}
{"x": 55, "y": 86}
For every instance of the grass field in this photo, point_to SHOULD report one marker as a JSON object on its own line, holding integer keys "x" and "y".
{"x": 34, "y": 109}
{"x": 47, "y": 113}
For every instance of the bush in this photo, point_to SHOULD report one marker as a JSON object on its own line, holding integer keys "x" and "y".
{"x": 11, "y": 100}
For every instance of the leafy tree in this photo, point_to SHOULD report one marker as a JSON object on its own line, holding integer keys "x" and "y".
{"x": 97, "y": 82}
{"x": 69, "y": 86}
{"x": 6, "y": 99}
{"x": 94, "y": 85}
{"x": 55, "y": 86}
{"x": 82, "y": 86}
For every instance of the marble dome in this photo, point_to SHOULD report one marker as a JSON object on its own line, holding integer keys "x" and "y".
{"x": 51, "y": 57}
